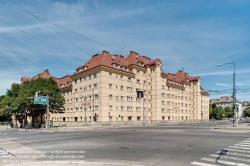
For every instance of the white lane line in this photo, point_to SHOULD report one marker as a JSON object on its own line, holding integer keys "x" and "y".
{"x": 236, "y": 147}
{"x": 202, "y": 164}
{"x": 223, "y": 162}
{"x": 236, "y": 150}
{"x": 241, "y": 145}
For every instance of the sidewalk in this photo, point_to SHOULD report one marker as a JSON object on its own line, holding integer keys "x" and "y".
{"x": 70, "y": 164}
{"x": 239, "y": 127}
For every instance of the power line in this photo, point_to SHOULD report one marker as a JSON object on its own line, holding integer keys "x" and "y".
{"x": 7, "y": 60}
{"x": 41, "y": 40}
{"x": 24, "y": 10}
{"x": 62, "y": 27}
{"x": 21, "y": 55}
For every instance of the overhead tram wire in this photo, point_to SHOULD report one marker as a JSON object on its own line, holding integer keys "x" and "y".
{"x": 7, "y": 60}
{"x": 21, "y": 55}
{"x": 62, "y": 27}
{"x": 41, "y": 41}
{"x": 24, "y": 10}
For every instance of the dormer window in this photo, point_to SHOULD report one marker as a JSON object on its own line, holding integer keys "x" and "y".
{"x": 78, "y": 70}
{"x": 68, "y": 83}
{"x": 125, "y": 68}
{"x": 116, "y": 66}
{"x": 141, "y": 64}
{"x": 84, "y": 67}
{"x": 62, "y": 85}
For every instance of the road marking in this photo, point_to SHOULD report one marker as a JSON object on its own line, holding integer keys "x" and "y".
{"x": 241, "y": 145}
{"x": 236, "y": 147}
{"x": 202, "y": 164}
{"x": 223, "y": 162}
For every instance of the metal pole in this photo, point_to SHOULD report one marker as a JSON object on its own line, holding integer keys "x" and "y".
{"x": 47, "y": 119}
{"x": 234, "y": 100}
{"x": 143, "y": 123}
{"x": 85, "y": 118}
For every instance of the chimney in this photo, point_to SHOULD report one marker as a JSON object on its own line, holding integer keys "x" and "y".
{"x": 105, "y": 52}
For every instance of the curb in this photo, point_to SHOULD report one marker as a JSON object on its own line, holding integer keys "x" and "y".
{"x": 227, "y": 128}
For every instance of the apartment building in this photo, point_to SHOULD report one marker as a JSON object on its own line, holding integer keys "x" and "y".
{"x": 104, "y": 90}
{"x": 227, "y": 101}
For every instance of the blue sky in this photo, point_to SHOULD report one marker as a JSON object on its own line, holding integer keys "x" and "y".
{"x": 191, "y": 34}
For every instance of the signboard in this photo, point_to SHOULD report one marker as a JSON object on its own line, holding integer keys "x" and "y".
{"x": 48, "y": 116}
{"x": 40, "y": 100}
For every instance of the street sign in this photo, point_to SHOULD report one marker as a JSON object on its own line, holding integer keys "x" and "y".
{"x": 40, "y": 100}
{"x": 48, "y": 116}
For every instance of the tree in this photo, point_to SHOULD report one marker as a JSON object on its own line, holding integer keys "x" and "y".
{"x": 47, "y": 87}
{"x": 220, "y": 113}
{"x": 228, "y": 112}
{"x": 212, "y": 111}
{"x": 246, "y": 112}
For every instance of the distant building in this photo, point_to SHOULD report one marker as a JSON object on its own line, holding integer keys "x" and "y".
{"x": 105, "y": 90}
{"x": 245, "y": 104}
{"x": 225, "y": 101}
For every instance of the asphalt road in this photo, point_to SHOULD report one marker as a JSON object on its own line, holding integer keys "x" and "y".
{"x": 177, "y": 145}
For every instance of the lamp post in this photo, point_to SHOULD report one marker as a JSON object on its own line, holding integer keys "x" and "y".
{"x": 234, "y": 94}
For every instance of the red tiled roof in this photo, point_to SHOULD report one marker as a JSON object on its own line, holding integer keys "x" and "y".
{"x": 47, "y": 75}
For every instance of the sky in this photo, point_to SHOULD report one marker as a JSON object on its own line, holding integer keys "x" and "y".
{"x": 194, "y": 35}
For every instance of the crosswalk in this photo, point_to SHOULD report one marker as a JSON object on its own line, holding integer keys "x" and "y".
{"x": 4, "y": 154}
{"x": 238, "y": 154}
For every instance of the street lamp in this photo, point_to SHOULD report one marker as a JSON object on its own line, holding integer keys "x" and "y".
{"x": 234, "y": 94}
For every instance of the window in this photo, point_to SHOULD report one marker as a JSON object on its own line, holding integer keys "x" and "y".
{"x": 110, "y": 75}
{"x": 128, "y": 108}
{"x": 75, "y": 81}
{"x": 128, "y": 88}
{"x": 128, "y": 98}
{"x": 110, "y": 97}
{"x": 80, "y": 89}
{"x": 76, "y": 109}
{"x": 163, "y": 87}
{"x": 76, "y": 99}
{"x": 121, "y": 108}
{"x": 138, "y": 118}
{"x": 137, "y": 109}
{"x": 75, "y": 90}
{"x": 110, "y": 86}
{"x": 137, "y": 81}
{"x": 89, "y": 98}
{"x": 116, "y": 66}
{"x": 137, "y": 72}
{"x": 96, "y": 96}
{"x": 90, "y": 76}
{"x": 121, "y": 98}
{"x": 162, "y": 95}
{"x": 121, "y": 87}
{"x": 121, "y": 77}
{"x": 89, "y": 87}
{"x": 129, "y": 118}
{"x": 141, "y": 64}
{"x": 95, "y": 86}
{"x": 125, "y": 68}
{"x": 163, "y": 102}
{"x": 96, "y": 107}
{"x": 117, "y": 98}
{"x": 110, "y": 108}
{"x": 129, "y": 79}
{"x": 80, "y": 79}
{"x": 95, "y": 75}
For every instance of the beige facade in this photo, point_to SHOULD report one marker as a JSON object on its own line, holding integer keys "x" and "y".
{"x": 107, "y": 86}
